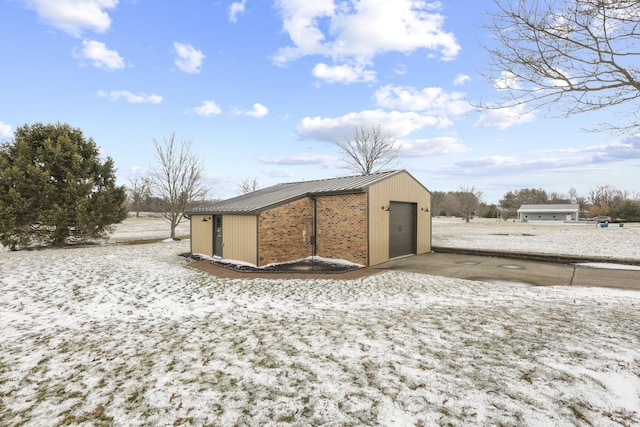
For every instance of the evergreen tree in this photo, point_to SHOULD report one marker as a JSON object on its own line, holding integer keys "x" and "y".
{"x": 54, "y": 188}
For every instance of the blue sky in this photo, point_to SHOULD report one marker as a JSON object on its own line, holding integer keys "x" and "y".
{"x": 262, "y": 88}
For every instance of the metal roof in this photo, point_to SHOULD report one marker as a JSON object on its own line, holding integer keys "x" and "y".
{"x": 259, "y": 200}
{"x": 550, "y": 208}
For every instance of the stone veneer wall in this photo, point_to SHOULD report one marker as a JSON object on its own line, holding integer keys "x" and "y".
{"x": 342, "y": 228}
{"x": 284, "y": 232}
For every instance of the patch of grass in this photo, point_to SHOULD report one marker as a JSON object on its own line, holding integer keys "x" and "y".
{"x": 528, "y": 376}
{"x": 579, "y": 411}
{"x": 96, "y": 417}
{"x": 622, "y": 417}
{"x": 136, "y": 397}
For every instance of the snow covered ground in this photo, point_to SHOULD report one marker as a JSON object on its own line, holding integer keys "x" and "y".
{"x": 147, "y": 226}
{"x": 126, "y": 335}
{"x": 580, "y": 239}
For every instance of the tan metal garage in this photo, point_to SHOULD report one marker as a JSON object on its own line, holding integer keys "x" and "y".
{"x": 365, "y": 219}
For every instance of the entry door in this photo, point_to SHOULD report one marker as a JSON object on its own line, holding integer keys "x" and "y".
{"x": 217, "y": 235}
{"x": 402, "y": 229}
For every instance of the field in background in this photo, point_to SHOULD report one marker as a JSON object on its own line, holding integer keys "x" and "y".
{"x": 149, "y": 226}
{"x": 580, "y": 239}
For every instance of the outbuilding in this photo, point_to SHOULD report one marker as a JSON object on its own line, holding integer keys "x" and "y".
{"x": 549, "y": 212}
{"x": 366, "y": 219}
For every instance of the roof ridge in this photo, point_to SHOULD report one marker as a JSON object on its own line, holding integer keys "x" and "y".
{"x": 339, "y": 177}
{"x": 283, "y": 192}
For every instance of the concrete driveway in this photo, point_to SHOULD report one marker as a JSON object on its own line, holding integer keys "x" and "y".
{"x": 493, "y": 269}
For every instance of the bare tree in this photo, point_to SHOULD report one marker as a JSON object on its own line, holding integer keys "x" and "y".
{"x": 248, "y": 186}
{"x": 470, "y": 198}
{"x": 370, "y": 150}
{"x": 437, "y": 197}
{"x": 177, "y": 179}
{"x": 605, "y": 199}
{"x": 574, "y": 56}
{"x": 574, "y": 198}
{"x": 512, "y": 200}
{"x": 139, "y": 191}
{"x": 555, "y": 197}
{"x": 450, "y": 204}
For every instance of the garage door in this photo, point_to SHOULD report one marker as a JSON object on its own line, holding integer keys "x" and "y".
{"x": 402, "y": 229}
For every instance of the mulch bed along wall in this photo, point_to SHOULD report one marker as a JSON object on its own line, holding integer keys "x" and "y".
{"x": 230, "y": 273}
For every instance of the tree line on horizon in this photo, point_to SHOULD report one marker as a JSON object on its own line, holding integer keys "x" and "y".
{"x": 604, "y": 200}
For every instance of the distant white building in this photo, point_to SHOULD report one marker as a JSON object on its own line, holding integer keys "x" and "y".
{"x": 552, "y": 212}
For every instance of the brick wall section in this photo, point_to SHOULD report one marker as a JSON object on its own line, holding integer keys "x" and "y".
{"x": 342, "y": 227}
{"x": 284, "y": 232}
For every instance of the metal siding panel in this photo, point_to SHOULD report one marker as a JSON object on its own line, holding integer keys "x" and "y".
{"x": 378, "y": 225}
{"x": 201, "y": 235}
{"x": 239, "y": 238}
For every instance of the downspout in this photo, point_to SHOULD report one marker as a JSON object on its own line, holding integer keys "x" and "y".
{"x": 368, "y": 228}
{"x": 213, "y": 237}
{"x": 313, "y": 239}
{"x": 430, "y": 227}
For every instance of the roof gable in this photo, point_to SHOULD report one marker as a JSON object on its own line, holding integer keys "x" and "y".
{"x": 265, "y": 198}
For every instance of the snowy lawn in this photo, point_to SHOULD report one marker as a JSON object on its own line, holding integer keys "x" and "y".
{"x": 147, "y": 226}
{"x": 126, "y": 335}
{"x": 549, "y": 238}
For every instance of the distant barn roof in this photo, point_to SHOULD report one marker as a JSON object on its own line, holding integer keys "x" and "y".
{"x": 549, "y": 208}
{"x": 252, "y": 203}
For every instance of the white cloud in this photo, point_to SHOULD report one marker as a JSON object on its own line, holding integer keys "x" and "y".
{"x": 432, "y": 100}
{"x": 360, "y": 30}
{"x": 505, "y": 165}
{"x": 131, "y": 98}
{"x": 505, "y": 117}
{"x": 101, "y": 56}
{"x": 188, "y": 58}
{"x": 507, "y": 81}
{"x": 208, "y": 108}
{"x": 302, "y": 160}
{"x": 431, "y": 147}
{"x": 278, "y": 173}
{"x": 561, "y": 160}
{"x": 299, "y": 20}
{"x": 5, "y": 130}
{"x": 343, "y": 73}
{"x": 235, "y": 9}
{"x": 258, "y": 111}
{"x": 400, "y": 69}
{"x": 461, "y": 79}
{"x": 628, "y": 149}
{"x": 73, "y": 16}
{"x": 397, "y": 124}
